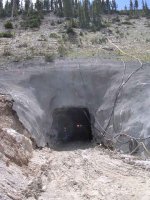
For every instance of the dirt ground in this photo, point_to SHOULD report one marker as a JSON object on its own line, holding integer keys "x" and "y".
{"x": 78, "y": 171}
{"x": 87, "y": 173}
{"x": 131, "y": 35}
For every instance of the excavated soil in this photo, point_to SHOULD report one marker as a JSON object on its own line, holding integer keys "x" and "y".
{"x": 76, "y": 171}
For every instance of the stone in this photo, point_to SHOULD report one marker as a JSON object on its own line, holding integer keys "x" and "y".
{"x": 15, "y": 146}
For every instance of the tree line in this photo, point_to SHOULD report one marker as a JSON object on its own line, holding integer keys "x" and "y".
{"x": 86, "y": 11}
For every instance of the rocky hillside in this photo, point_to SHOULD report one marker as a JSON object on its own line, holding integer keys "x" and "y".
{"x": 52, "y": 40}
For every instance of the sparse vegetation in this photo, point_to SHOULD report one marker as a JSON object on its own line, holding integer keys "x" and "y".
{"x": 6, "y": 35}
{"x": 32, "y": 21}
{"x": 50, "y": 57}
{"x": 8, "y": 25}
{"x": 52, "y": 23}
{"x": 23, "y": 45}
{"x": 99, "y": 40}
{"x": 62, "y": 51}
{"x": 54, "y": 35}
{"x": 127, "y": 23}
{"x": 7, "y": 52}
{"x": 147, "y": 40}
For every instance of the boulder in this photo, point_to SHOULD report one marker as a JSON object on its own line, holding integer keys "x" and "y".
{"x": 15, "y": 146}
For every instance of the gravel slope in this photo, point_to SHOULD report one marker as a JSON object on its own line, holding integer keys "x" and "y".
{"x": 93, "y": 173}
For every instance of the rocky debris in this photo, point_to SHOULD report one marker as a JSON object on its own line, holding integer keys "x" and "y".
{"x": 93, "y": 173}
{"x": 8, "y": 116}
{"x": 24, "y": 182}
{"x": 15, "y": 146}
{"x": 12, "y": 181}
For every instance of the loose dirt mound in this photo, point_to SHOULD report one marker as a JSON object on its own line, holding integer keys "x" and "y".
{"x": 92, "y": 173}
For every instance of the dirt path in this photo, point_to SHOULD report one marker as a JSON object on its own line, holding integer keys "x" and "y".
{"x": 92, "y": 173}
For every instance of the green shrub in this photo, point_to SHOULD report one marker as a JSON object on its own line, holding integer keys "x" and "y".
{"x": 8, "y": 25}
{"x": 70, "y": 30}
{"x": 32, "y": 21}
{"x": 81, "y": 33}
{"x": 54, "y": 35}
{"x": 7, "y": 52}
{"x": 99, "y": 40}
{"x": 65, "y": 37}
{"x": 127, "y": 23}
{"x": 73, "y": 23}
{"x": 62, "y": 50}
{"x": 116, "y": 19}
{"x": 50, "y": 57}
{"x": 6, "y": 35}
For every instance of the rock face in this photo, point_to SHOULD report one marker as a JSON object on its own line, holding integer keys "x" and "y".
{"x": 37, "y": 91}
{"x": 15, "y": 146}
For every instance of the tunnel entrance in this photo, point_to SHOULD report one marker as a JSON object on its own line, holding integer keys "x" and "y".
{"x": 72, "y": 124}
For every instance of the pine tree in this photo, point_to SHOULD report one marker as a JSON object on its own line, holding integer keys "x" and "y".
{"x": 8, "y": 8}
{"x": 103, "y": 6}
{"x": 108, "y": 5}
{"x": 114, "y": 6}
{"x": 146, "y": 6}
{"x": 59, "y": 7}
{"x": 86, "y": 13}
{"x": 46, "y": 5}
{"x": 131, "y": 5}
{"x": 81, "y": 15}
{"x": 131, "y": 8}
{"x": 68, "y": 8}
{"x": 75, "y": 8}
{"x": 27, "y": 6}
{"x": 147, "y": 11}
{"x": 143, "y": 5}
{"x": 125, "y": 8}
{"x": 39, "y": 5}
{"x": 96, "y": 14}
{"x": 136, "y": 5}
{"x": 13, "y": 8}
{"x": 1, "y": 8}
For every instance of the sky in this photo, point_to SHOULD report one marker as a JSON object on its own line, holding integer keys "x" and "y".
{"x": 121, "y": 3}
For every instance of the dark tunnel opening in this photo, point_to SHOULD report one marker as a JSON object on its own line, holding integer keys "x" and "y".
{"x": 72, "y": 124}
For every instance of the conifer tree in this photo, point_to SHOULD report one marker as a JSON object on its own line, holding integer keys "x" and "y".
{"x": 68, "y": 8}
{"x": 39, "y": 5}
{"x": 1, "y": 8}
{"x": 8, "y": 8}
{"x": 46, "y": 5}
{"x": 27, "y": 6}
{"x": 108, "y": 6}
{"x": 114, "y": 6}
{"x": 136, "y": 5}
{"x": 131, "y": 5}
{"x": 96, "y": 14}
{"x": 86, "y": 13}
{"x": 131, "y": 8}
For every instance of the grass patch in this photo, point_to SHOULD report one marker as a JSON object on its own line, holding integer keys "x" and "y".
{"x": 62, "y": 51}
{"x": 127, "y": 23}
{"x": 6, "y": 35}
{"x": 99, "y": 40}
{"x": 54, "y": 35}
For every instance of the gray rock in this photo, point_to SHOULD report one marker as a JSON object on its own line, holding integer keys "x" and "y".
{"x": 15, "y": 146}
